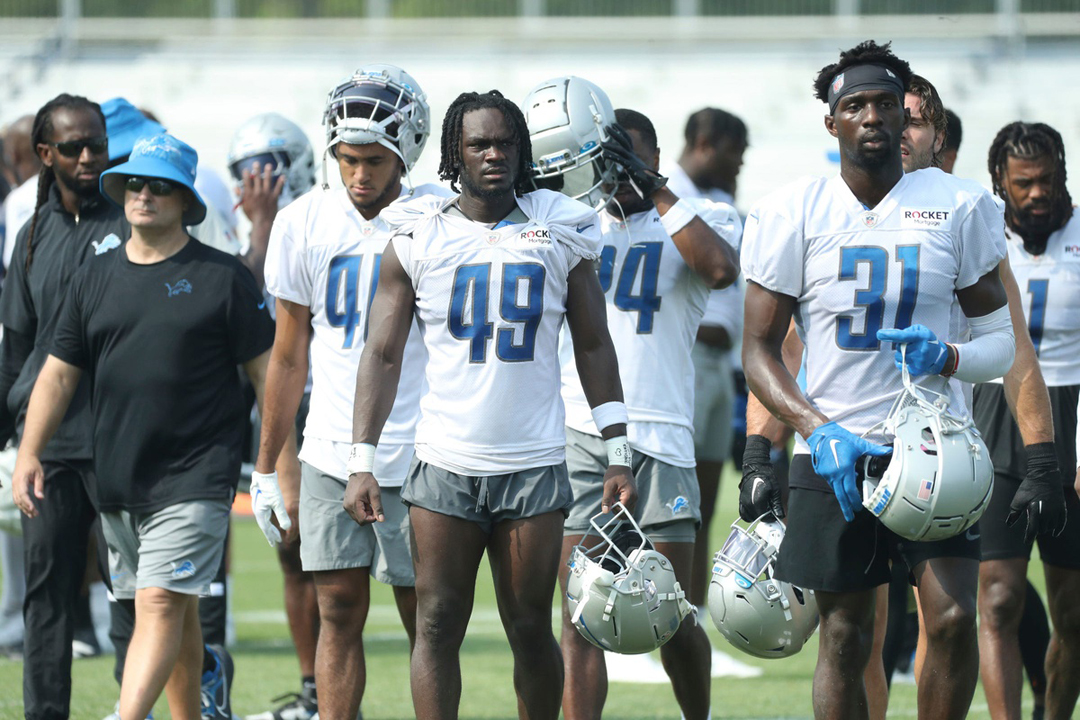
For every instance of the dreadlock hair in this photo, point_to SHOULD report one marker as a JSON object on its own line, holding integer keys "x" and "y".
{"x": 867, "y": 52}
{"x": 714, "y": 125}
{"x": 932, "y": 110}
{"x": 451, "y": 164}
{"x": 40, "y": 134}
{"x": 1030, "y": 141}
{"x": 633, "y": 120}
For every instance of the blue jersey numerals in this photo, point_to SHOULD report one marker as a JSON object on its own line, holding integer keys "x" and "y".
{"x": 632, "y": 295}
{"x": 872, "y": 297}
{"x": 521, "y": 302}
{"x": 344, "y": 297}
{"x": 1037, "y": 315}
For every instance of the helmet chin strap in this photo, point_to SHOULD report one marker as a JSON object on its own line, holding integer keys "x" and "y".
{"x": 379, "y": 140}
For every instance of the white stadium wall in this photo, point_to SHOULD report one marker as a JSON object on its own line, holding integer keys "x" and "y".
{"x": 202, "y": 92}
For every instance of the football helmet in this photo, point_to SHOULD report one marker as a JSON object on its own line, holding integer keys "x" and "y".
{"x": 567, "y": 119}
{"x": 939, "y": 479}
{"x": 623, "y": 595}
{"x": 756, "y": 612}
{"x": 270, "y": 139}
{"x": 379, "y": 104}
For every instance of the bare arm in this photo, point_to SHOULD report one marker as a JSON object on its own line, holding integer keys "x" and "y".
{"x": 286, "y": 375}
{"x": 49, "y": 401}
{"x": 768, "y": 317}
{"x": 1025, "y": 389}
{"x": 259, "y": 201}
{"x": 705, "y": 252}
{"x": 759, "y": 421}
{"x": 598, "y": 367}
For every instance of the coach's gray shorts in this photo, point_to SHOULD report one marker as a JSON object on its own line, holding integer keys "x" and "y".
{"x": 177, "y": 548}
{"x": 488, "y": 500}
{"x": 669, "y": 501}
{"x": 714, "y": 397}
{"x": 331, "y": 540}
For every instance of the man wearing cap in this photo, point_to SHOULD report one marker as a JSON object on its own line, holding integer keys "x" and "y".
{"x": 160, "y": 326}
{"x": 842, "y": 257}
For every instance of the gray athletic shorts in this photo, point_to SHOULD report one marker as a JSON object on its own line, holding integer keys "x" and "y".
{"x": 177, "y": 548}
{"x": 669, "y": 501}
{"x": 331, "y": 540}
{"x": 488, "y": 500}
{"x": 714, "y": 397}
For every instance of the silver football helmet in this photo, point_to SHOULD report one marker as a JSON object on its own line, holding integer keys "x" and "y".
{"x": 623, "y": 595}
{"x": 567, "y": 119}
{"x": 756, "y": 612}
{"x": 382, "y": 104}
{"x": 271, "y": 139}
{"x": 940, "y": 477}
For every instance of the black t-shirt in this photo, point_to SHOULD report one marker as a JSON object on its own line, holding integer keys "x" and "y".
{"x": 30, "y": 305}
{"x": 161, "y": 343}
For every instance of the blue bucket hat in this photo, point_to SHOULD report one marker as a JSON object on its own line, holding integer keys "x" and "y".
{"x": 159, "y": 156}
{"x": 124, "y": 124}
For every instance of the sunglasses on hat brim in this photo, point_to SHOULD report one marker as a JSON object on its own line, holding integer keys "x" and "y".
{"x": 74, "y": 148}
{"x": 157, "y": 186}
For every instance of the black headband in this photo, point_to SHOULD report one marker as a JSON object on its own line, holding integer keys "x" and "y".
{"x": 863, "y": 77}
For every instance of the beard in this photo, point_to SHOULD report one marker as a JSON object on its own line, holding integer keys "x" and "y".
{"x": 483, "y": 193}
{"x": 1035, "y": 230}
{"x": 374, "y": 202}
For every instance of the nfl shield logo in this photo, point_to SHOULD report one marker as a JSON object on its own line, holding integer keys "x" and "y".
{"x": 869, "y": 219}
{"x": 925, "y": 488}
{"x": 367, "y": 230}
{"x": 493, "y": 237}
{"x": 838, "y": 83}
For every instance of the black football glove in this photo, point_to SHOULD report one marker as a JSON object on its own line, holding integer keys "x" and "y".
{"x": 619, "y": 149}
{"x": 759, "y": 490}
{"x": 1041, "y": 494}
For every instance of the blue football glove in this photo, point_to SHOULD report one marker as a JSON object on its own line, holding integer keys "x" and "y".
{"x": 926, "y": 355}
{"x": 834, "y": 452}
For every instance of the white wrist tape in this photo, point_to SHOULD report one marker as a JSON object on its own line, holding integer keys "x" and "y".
{"x": 361, "y": 458}
{"x": 992, "y": 348}
{"x": 618, "y": 451}
{"x": 677, "y": 217}
{"x": 610, "y": 413}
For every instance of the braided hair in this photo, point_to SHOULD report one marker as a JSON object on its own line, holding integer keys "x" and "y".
{"x": 867, "y": 52}
{"x": 1030, "y": 141}
{"x": 41, "y": 133}
{"x": 451, "y": 164}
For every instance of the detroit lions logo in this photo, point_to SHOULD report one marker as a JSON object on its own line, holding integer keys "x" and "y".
{"x": 185, "y": 569}
{"x": 106, "y": 244}
{"x": 678, "y": 505}
{"x": 182, "y": 286}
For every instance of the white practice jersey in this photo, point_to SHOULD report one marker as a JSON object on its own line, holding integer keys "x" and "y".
{"x": 654, "y": 306}
{"x": 725, "y": 306}
{"x": 1050, "y": 292}
{"x": 324, "y": 255}
{"x": 490, "y": 303}
{"x": 855, "y": 271}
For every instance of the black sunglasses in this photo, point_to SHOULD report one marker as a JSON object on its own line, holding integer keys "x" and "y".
{"x": 74, "y": 148}
{"x": 157, "y": 186}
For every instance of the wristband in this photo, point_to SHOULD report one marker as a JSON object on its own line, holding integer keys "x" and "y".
{"x": 361, "y": 458}
{"x": 618, "y": 451}
{"x": 677, "y": 217}
{"x": 758, "y": 450}
{"x": 608, "y": 414}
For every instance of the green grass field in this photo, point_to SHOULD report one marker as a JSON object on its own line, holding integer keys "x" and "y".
{"x": 266, "y": 667}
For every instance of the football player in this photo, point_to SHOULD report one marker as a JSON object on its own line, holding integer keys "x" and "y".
{"x": 660, "y": 258}
{"x": 322, "y": 266}
{"x": 1030, "y": 453}
{"x": 862, "y": 260}
{"x": 490, "y": 275}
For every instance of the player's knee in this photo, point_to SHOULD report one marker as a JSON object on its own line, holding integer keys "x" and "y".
{"x": 441, "y": 622}
{"x": 845, "y": 642}
{"x": 1001, "y": 605}
{"x": 529, "y": 629}
{"x": 953, "y": 624}
{"x": 340, "y": 609}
